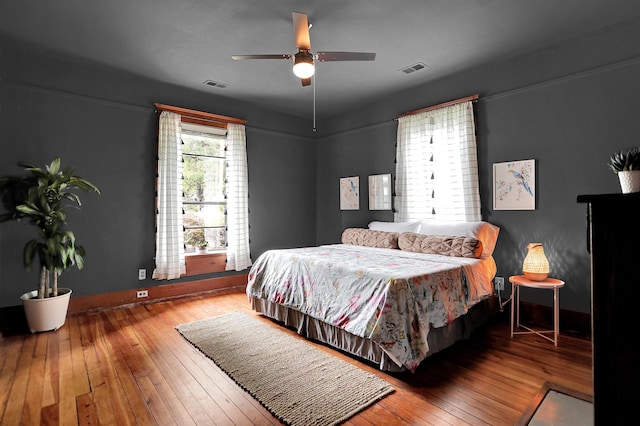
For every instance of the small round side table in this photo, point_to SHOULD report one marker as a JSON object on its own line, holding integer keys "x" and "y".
{"x": 518, "y": 281}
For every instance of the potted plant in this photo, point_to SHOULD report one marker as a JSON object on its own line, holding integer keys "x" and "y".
{"x": 41, "y": 197}
{"x": 626, "y": 164}
{"x": 194, "y": 233}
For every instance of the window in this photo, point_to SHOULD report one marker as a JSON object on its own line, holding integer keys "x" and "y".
{"x": 203, "y": 189}
{"x": 436, "y": 164}
{"x": 202, "y": 194}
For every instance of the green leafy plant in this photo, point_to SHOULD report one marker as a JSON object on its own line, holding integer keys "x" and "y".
{"x": 41, "y": 197}
{"x": 625, "y": 160}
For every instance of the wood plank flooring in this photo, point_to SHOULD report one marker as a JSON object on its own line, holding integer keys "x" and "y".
{"x": 129, "y": 366}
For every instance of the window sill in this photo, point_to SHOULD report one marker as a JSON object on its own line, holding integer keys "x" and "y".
{"x": 204, "y": 263}
{"x": 205, "y": 253}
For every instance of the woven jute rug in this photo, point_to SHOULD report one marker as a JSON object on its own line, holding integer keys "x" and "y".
{"x": 298, "y": 383}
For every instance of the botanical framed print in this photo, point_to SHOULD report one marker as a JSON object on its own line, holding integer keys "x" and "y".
{"x": 350, "y": 193}
{"x": 514, "y": 185}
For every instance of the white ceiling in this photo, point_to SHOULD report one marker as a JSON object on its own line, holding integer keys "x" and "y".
{"x": 186, "y": 42}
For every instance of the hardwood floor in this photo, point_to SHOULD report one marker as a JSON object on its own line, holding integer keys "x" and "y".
{"x": 130, "y": 366}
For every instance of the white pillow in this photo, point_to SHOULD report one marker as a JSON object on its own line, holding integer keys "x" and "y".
{"x": 398, "y": 227}
{"x": 483, "y": 231}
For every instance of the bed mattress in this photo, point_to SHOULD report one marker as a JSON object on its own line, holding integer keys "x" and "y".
{"x": 392, "y": 298}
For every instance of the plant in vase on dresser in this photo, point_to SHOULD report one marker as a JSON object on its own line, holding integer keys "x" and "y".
{"x": 626, "y": 164}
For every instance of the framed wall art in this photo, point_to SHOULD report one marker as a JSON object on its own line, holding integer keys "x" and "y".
{"x": 380, "y": 192}
{"x": 350, "y": 193}
{"x": 514, "y": 185}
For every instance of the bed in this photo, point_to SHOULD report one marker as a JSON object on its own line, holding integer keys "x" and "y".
{"x": 392, "y": 294}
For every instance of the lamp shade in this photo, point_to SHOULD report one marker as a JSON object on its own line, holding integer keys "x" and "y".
{"x": 536, "y": 265}
{"x": 303, "y": 64}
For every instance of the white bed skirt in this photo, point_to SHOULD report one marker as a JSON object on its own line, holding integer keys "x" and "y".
{"x": 313, "y": 329}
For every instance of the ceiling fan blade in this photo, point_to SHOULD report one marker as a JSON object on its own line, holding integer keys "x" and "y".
{"x": 301, "y": 31}
{"x": 306, "y": 81}
{"x": 345, "y": 56}
{"x": 275, "y": 56}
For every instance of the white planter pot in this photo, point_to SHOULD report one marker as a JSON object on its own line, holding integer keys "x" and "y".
{"x": 46, "y": 314}
{"x": 629, "y": 181}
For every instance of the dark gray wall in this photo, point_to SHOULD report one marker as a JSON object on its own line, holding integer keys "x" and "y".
{"x": 363, "y": 152}
{"x": 569, "y": 107}
{"x": 282, "y": 200}
{"x": 102, "y": 122}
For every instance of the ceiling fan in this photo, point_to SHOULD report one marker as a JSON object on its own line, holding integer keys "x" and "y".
{"x": 303, "y": 61}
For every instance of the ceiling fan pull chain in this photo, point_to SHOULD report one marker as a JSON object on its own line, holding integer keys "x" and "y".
{"x": 314, "y": 100}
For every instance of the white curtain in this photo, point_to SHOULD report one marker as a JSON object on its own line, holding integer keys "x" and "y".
{"x": 237, "y": 187}
{"x": 437, "y": 166}
{"x": 170, "y": 263}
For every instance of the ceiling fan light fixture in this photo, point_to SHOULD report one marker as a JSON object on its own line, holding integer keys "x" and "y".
{"x": 303, "y": 64}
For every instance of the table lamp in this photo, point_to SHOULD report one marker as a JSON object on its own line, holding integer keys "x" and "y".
{"x": 536, "y": 265}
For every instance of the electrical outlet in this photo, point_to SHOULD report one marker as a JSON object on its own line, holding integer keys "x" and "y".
{"x": 142, "y": 293}
{"x": 499, "y": 283}
{"x": 142, "y": 274}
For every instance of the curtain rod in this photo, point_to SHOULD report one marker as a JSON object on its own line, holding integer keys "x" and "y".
{"x": 471, "y": 98}
{"x": 199, "y": 114}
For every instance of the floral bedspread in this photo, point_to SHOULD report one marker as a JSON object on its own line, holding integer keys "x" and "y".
{"x": 389, "y": 296}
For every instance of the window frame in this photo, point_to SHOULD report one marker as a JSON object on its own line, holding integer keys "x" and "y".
{"x": 419, "y": 164}
{"x": 223, "y": 203}
{"x": 214, "y": 261}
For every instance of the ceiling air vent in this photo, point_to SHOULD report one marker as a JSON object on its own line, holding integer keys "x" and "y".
{"x": 413, "y": 68}
{"x": 216, "y": 84}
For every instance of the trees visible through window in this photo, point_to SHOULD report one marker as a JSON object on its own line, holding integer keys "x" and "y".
{"x": 203, "y": 188}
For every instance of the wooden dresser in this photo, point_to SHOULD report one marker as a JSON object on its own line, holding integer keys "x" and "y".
{"x": 613, "y": 239}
